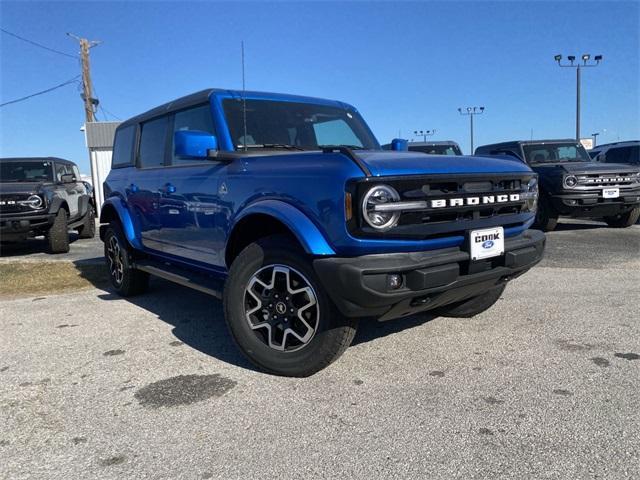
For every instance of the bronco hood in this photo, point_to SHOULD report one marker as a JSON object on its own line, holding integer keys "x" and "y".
{"x": 20, "y": 187}
{"x": 582, "y": 167}
{"x": 390, "y": 163}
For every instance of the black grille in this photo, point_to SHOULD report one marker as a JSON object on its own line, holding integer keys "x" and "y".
{"x": 594, "y": 180}
{"x": 9, "y": 203}
{"x": 450, "y": 220}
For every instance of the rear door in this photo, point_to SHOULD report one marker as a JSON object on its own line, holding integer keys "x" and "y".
{"x": 146, "y": 179}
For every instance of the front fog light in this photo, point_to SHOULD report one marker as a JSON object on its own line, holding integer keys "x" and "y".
{"x": 394, "y": 281}
{"x": 570, "y": 181}
{"x": 379, "y": 218}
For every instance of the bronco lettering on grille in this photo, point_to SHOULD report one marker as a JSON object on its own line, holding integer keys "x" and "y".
{"x": 483, "y": 200}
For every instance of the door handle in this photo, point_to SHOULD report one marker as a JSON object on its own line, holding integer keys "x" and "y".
{"x": 168, "y": 188}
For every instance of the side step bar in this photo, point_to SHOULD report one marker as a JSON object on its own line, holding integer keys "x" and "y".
{"x": 184, "y": 277}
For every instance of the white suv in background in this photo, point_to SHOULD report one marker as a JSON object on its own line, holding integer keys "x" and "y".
{"x": 619, "y": 152}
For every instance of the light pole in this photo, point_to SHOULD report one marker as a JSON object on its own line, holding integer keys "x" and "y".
{"x": 424, "y": 133}
{"x": 594, "y": 135}
{"x": 578, "y": 66}
{"x": 472, "y": 112}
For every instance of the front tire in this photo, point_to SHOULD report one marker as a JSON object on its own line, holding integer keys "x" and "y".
{"x": 278, "y": 313}
{"x": 58, "y": 234}
{"x": 546, "y": 216}
{"x": 125, "y": 279}
{"x": 624, "y": 220}
{"x": 88, "y": 228}
{"x": 473, "y": 306}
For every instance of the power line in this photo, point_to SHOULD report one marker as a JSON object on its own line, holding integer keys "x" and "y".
{"x": 75, "y": 57}
{"x": 73, "y": 80}
{"x": 104, "y": 110}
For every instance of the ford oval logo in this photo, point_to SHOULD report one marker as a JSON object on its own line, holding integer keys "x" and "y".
{"x": 487, "y": 244}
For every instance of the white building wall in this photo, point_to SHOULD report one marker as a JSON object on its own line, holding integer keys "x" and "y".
{"x": 100, "y": 167}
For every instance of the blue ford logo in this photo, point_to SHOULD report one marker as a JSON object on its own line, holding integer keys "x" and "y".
{"x": 487, "y": 244}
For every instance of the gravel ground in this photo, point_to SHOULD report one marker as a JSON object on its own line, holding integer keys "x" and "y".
{"x": 543, "y": 385}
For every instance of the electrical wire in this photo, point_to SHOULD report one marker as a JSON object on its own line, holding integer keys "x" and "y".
{"x": 39, "y": 44}
{"x": 73, "y": 80}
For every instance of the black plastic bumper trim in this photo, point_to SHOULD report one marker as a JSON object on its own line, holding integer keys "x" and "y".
{"x": 359, "y": 288}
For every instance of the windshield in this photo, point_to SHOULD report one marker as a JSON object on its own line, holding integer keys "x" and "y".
{"x": 295, "y": 126}
{"x": 26, "y": 171}
{"x": 436, "y": 149}
{"x": 556, "y": 152}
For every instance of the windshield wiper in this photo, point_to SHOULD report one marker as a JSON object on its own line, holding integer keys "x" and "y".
{"x": 350, "y": 147}
{"x": 271, "y": 145}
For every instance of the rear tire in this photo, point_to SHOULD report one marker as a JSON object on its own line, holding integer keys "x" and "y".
{"x": 88, "y": 228}
{"x": 278, "y": 313}
{"x": 625, "y": 220}
{"x": 546, "y": 216}
{"x": 58, "y": 234}
{"x": 125, "y": 279}
{"x": 473, "y": 306}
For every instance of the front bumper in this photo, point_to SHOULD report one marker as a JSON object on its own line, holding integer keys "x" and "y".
{"x": 359, "y": 285}
{"x": 592, "y": 204}
{"x": 14, "y": 227}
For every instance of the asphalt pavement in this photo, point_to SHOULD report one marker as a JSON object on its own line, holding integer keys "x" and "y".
{"x": 543, "y": 385}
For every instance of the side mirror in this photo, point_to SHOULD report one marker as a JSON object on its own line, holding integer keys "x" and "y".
{"x": 399, "y": 145}
{"x": 68, "y": 178}
{"x": 194, "y": 144}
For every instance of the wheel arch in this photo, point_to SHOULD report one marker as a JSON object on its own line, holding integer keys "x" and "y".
{"x": 274, "y": 217}
{"x": 113, "y": 209}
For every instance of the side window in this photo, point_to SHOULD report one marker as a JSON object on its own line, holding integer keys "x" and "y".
{"x": 123, "y": 147}
{"x": 153, "y": 136}
{"x": 619, "y": 155}
{"x": 335, "y": 132}
{"x": 198, "y": 118}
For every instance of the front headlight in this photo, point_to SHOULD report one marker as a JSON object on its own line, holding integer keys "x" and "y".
{"x": 570, "y": 181}
{"x": 380, "y": 219}
{"x": 531, "y": 195}
{"x": 34, "y": 201}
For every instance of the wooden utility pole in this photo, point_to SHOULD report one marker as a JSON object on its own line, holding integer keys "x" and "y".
{"x": 87, "y": 88}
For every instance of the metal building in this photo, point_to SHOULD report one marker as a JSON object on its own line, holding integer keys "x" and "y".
{"x": 99, "y": 141}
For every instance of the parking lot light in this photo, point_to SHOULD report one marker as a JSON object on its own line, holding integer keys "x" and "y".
{"x": 578, "y": 66}
{"x": 471, "y": 112}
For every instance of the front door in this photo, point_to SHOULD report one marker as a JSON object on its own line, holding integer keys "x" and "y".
{"x": 188, "y": 197}
{"x": 70, "y": 191}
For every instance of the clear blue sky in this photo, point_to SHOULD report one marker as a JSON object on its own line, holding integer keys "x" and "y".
{"x": 405, "y": 66}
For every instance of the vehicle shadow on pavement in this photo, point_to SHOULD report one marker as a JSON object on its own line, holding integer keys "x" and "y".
{"x": 29, "y": 246}
{"x": 562, "y": 227}
{"x": 370, "y": 329}
{"x": 198, "y": 320}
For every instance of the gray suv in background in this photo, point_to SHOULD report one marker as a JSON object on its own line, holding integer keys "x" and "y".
{"x": 447, "y": 147}
{"x": 44, "y": 196}
{"x": 618, "y": 152}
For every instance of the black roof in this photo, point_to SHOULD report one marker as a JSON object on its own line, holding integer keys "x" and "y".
{"x": 183, "y": 102}
{"x": 615, "y": 143}
{"x": 37, "y": 159}
{"x": 531, "y": 142}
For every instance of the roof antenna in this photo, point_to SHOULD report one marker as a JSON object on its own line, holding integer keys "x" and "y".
{"x": 244, "y": 102}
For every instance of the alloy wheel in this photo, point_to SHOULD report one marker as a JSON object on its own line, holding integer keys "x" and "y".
{"x": 281, "y": 307}
{"x": 114, "y": 258}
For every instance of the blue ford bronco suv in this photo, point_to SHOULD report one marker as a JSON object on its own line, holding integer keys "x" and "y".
{"x": 287, "y": 208}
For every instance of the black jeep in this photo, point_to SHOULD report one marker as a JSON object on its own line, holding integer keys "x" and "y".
{"x": 573, "y": 185}
{"x": 44, "y": 196}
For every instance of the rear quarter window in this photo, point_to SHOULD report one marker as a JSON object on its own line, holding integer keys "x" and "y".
{"x": 123, "y": 147}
